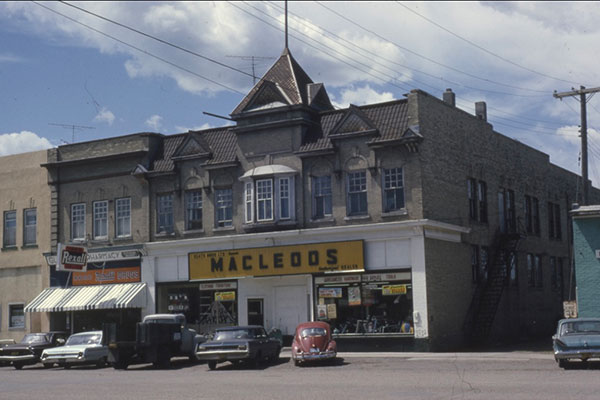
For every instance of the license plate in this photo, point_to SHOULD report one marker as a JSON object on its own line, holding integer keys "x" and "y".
{"x": 313, "y": 350}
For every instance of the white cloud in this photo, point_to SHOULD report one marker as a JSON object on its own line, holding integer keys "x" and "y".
{"x": 154, "y": 122}
{"x": 22, "y": 142}
{"x": 360, "y": 96}
{"x": 10, "y": 58}
{"x": 105, "y": 115}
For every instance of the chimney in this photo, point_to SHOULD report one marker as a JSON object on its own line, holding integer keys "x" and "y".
{"x": 449, "y": 97}
{"x": 481, "y": 110}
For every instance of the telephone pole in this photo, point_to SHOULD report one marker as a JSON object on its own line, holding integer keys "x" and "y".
{"x": 584, "y": 146}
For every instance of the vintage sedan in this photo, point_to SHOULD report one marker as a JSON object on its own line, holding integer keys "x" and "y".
{"x": 313, "y": 342}
{"x": 82, "y": 348}
{"x": 29, "y": 350}
{"x": 576, "y": 339}
{"x": 239, "y": 343}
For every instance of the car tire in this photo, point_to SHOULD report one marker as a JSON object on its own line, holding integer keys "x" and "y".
{"x": 18, "y": 366}
{"x": 121, "y": 364}
{"x": 212, "y": 365}
{"x": 563, "y": 364}
{"x": 257, "y": 362}
{"x": 48, "y": 365}
{"x": 101, "y": 363}
{"x": 297, "y": 362}
{"x": 67, "y": 366}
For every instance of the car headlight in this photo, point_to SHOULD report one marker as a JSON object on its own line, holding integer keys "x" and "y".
{"x": 200, "y": 348}
{"x": 297, "y": 349}
{"x": 242, "y": 347}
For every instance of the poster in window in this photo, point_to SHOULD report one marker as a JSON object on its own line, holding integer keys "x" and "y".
{"x": 354, "y": 296}
{"x": 331, "y": 311}
{"x": 224, "y": 296}
{"x": 393, "y": 290}
{"x": 330, "y": 292}
{"x": 368, "y": 297}
{"x": 322, "y": 311}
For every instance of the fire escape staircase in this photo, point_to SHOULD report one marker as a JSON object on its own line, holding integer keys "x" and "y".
{"x": 488, "y": 293}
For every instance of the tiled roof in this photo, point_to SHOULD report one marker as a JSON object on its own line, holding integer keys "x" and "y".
{"x": 288, "y": 75}
{"x": 223, "y": 144}
{"x": 170, "y": 144}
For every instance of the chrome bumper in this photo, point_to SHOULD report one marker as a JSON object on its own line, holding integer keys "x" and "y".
{"x": 25, "y": 357}
{"x": 222, "y": 355}
{"x": 581, "y": 354}
{"x": 324, "y": 355}
{"x": 71, "y": 358}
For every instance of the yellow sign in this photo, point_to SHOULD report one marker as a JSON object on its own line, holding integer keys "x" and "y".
{"x": 278, "y": 260}
{"x": 391, "y": 290}
{"x": 224, "y": 296}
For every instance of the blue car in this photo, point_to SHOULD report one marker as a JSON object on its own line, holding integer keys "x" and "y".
{"x": 576, "y": 339}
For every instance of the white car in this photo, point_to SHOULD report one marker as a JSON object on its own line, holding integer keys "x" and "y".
{"x": 80, "y": 349}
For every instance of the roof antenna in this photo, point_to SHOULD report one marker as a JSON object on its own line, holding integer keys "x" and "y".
{"x": 286, "y": 25}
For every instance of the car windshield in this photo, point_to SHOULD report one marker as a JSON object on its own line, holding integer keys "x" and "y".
{"x": 238, "y": 334}
{"x": 84, "y": 339}
{"x": 580, "y": 327}
{"x": 32, "y": 338}
{"x": 314, "y": 332}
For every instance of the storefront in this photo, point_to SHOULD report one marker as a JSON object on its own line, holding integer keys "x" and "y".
{"x": 368, "y": 282}
{"x": 109, "y": 290}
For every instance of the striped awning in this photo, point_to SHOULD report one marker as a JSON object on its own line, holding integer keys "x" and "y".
{"x": 98, "y": 297}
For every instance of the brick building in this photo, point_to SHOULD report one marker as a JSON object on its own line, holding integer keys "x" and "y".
{"x": 409, "y": 224}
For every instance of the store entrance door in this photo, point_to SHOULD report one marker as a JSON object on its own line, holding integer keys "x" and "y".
{"x": 256, "y": 314}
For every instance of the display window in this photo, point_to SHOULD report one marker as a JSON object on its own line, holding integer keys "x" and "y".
{"x": 379, "y": 303}
{"x": 206, "y": 306}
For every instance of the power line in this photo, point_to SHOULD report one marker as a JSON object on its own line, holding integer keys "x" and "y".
{"x": 156, "y": 38}
{"x": 415, "y": 53}
{"x": 139, "y": 49}
{"x": 483, "y": 48}
{"x": 72, "y": 127}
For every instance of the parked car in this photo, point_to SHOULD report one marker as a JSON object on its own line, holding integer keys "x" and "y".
{"x": 576, "y": 339}
{"x": 313, "y": 342}
{"x": 29, "y": 350}
{"x": 239, "y": 343}
{"x": 82, "y": 348}
{"x": 3, "y": 343}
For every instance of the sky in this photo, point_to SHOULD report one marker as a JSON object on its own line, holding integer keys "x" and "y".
{"x": 81, "y": 71}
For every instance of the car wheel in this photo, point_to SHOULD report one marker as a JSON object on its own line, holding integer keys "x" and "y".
{"x": 297, "y": 363}
{"x": 212, "y": 365}
{"x": 563, "y": 364}
{"x": 257, "y": 360}
{"x": 276, "y": 355}
{"x": 18, "y": 366}
{"x": 101, "y": 362}
{"x": 67, "y": 366}
{"x": 48, "y": 365}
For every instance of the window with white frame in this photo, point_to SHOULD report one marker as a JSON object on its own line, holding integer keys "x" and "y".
{"x": 264, "y": 200}
{"x": 393, "y": 190}
{"x": 193, "y": 210}
{"x": 224, "y": 207}
{"x": 356, "y": 193}
{"x": 30, "y": 227}
{"x": 10, "y": 229}
{"x": 78, "y": 221}
{"x": 16, "y": 316}
{"x": 123, "y": 217}
{"x": 100, "y": 212}
{"x": 164, "y": 213}
{"x": 248, "y": 198}
{"x": 322, "y": 201}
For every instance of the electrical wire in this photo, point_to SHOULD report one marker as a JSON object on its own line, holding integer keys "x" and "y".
{"x": 140, "y": 50}
{"x": 484, "y": 49}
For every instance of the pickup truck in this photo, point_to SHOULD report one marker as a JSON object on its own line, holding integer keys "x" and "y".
{"x": 154, "y": 340}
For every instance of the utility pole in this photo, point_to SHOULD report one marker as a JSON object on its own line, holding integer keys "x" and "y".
{"x": 584, "y": 146}
{"x": 73, "y": 127}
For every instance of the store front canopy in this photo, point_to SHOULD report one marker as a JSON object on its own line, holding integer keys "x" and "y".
{"x": 99, "y": 297}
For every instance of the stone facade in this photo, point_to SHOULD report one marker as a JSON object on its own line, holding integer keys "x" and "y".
{"x": 25, "y": 195}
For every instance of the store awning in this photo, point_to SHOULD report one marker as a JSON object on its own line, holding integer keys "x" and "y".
{"x": 99, "y": 297}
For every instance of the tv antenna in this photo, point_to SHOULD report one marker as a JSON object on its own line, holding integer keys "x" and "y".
{"x": 254, "y": 60}
{"x": 73, "y": 127}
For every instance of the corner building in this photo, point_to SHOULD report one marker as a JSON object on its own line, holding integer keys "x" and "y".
{"x": 407, "y": 225}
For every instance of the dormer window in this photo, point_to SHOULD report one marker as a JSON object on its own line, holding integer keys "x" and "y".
{"x": 269, "y": 194}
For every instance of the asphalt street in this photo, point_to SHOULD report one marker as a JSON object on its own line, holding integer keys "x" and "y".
{"x": 474, "y": 375}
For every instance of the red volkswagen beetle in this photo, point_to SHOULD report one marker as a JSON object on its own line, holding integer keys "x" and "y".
{"x": 312, "y": 341}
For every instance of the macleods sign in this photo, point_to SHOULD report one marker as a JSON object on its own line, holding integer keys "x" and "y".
{"x": 278, "y": 260}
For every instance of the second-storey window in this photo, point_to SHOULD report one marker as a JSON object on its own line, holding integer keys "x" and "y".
{"x": 100, "y": 209}
{"x": 123, "y": 217}
{"x": 164, "y": 213}
{"x": 224, "y": 207}
{"x": 321, "y": 186}
{"x": 193, "y": 210}
{"x": 393, "y": 190}
{"x": 554, "y": 225}
{"x": 10, "y": 228}
{"x": 356, "y": 193}
{"x": 248, "y": 199}
{"x": 30, "y": 227}
{"x": 264, "y": 199}
{"x": 78, "y": 221}
{"x": 285, "y": 197}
